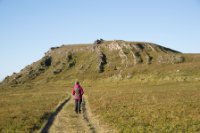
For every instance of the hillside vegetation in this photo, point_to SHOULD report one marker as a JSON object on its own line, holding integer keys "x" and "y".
{"x": 131, "y": 87}
{"x": 105, "y": 59}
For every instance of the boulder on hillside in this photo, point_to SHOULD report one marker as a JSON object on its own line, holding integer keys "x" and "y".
{"x": 52, "y": 48}
{"x": 99, "y": 41}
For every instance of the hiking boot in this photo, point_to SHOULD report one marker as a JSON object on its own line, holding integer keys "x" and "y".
{"x": 76, "y": 111}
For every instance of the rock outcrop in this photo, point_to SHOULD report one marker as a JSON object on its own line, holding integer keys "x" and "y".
{"x": 102, "y": 62}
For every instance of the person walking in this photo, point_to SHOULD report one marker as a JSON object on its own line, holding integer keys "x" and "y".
{"x": 77, "y": 92}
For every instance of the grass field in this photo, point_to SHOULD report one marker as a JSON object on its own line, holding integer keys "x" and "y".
{"x": 26, "y": 107}
{"x": 146, "y": 107}
{"x": 125, "y": 105}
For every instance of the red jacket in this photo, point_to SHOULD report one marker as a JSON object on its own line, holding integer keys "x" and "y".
{"x": 80, "y": 93}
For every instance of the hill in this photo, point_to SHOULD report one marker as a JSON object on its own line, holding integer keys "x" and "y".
{"x": 99, "y": 60}
{"x": 131, "y": 87}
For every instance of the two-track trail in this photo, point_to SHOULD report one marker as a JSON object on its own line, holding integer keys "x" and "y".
{"x": 65, "y": 120}
{"x": 68, "y": 121}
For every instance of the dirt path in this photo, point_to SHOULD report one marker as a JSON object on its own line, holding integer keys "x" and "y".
{"x": 65, "y": 120}
{"x": 68, "y": 121}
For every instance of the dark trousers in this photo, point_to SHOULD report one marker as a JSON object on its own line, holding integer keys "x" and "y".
{"x": 77, "y": 106}
{"x": 80, "y": 102}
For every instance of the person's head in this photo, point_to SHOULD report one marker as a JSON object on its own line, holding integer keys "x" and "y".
{"x": 77, "y": 82}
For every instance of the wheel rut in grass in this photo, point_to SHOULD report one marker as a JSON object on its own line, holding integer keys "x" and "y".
{"x": 52, "y": 118}
{"x": 67, "y": 121}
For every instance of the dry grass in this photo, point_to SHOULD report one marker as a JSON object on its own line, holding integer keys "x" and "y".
{"x": 124, "y": 105}
{"x": 149, "y": 107}
{"x": 25, "y": 108}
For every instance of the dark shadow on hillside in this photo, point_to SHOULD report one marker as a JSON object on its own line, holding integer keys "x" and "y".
{"x": 53, "y": 115}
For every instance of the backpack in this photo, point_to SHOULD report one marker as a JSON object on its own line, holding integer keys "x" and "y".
{"x": 77, "y": 91}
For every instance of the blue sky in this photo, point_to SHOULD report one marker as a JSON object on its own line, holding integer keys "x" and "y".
{"x": 28, "y": 28}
